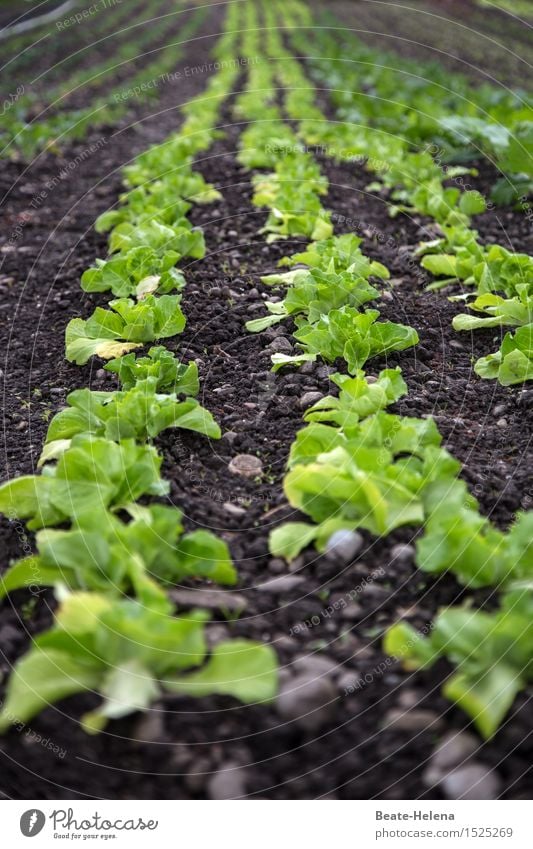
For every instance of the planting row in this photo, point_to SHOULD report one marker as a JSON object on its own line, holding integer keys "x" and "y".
{"x": 98, "y": 463}
{"x": 355, "y": 466}
{"x": 410, "y": 148}
{"x": 47, "y": 118}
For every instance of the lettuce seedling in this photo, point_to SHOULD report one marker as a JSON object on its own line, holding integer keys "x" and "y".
{"x": 346, "y": 252}
{"x": 354, "y": 336}
{"x": 357, "y": 399}
{"x": 315, "y": 293}
{"x": 140, "y": 414}
{"x": 513, "y": 363}
{"x": 92, "y": 473}
{"x": 130, "y": 654}
{"x": 135, "y": 273}
{"x": 459, "y": 539}
{"x": 500, "y": 312}
{"x": 491, "y": 653}
{"x": 144, "y": 203}
{"x": 171, "y": 375}
{"x": 159, "y": 237}
{"x": 127, "y": 325}
{"x": 105, "y": 554}
{"x": 379, "y": 478}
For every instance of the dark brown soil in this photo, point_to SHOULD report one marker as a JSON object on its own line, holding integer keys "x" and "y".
{"x": 353, "y": 755}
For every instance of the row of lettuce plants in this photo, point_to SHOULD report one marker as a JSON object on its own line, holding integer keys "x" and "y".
{"x": 355, "y": 465}
{"x": 35, "y": 122}
{"x": 413, "y": 167}
{"x": 112, "y": 553}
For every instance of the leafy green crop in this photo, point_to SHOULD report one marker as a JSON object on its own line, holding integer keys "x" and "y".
{"x": 140, "y": 414}
{"x": 137, "y": 272}
{"x": 102, "y": 553}
{"x": 353, "y": 336}
{"x": 457, "y": 538}
{"x": 366, "y": 469}
{"x": 127, "y": 325}
{"x": 129, "y": 654}
{"x": 92, "y": 473}
{"x": 171, "y": 375}
{"x": 491, "y": 653}
{"x": 513, "y": 363}
{"x": 314, "y": 293}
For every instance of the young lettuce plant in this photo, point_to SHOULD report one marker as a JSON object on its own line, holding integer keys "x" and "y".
{"x": 102, "y": 553}
{"x": 351, "y": 335}
{"x": 135, "y": 273}
{"x": 513, "y": 363}
{"x": 91, "y": 473}
{"x": 140, "y": 413}
{"x": 131, "y": 654}
{"x": 492, "y": 653}
{"x": 127, "y": 325}
{"x": 364, "y": 469}
{"x": 314, "y": 293}
{"x": 459, "y": 539}
{"x": 160, "y": 363}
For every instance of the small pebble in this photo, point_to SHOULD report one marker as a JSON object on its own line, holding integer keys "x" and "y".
{"x": 307, "y": 701}
{"x": 309, "y": 398}
{"x": 281, "y": 584}
{"x": 453, "y": 750}
{"x": 344, "y": 545}
{"x": 234, "y": 509}
{"x": 280, "y": 345}
{"x": 150, "y": 727}
{"x": 228, "y": 783}
{"x": 412, "y": 720}
{"x": 246, "y": 465}
{"x": 403, "y": 553}
{"x": 472, "y": 782}
{"x": 315, "y": 664}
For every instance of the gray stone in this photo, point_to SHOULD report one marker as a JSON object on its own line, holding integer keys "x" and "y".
{"x": 277, "y": 565}
{"x": 499, "y": 410}
{"x": 308, "y": 702}
{"x": 453, "y": 750}
{"x": 349, "y": 683}
{"x": 280, "y": 345}
{"x": 315, "y": 665}
{"x": 246, "y": 465}
{"x": 412, "y": 720}
{"x": 234, "y": 509}
{"x": 281, "y": 584}
{"x": 150, "y": 727}
{"x": 501, "y": 423}
{"x": 309, "y": 398}
{"x": 210, "y": 599}
{"x": 228, "y": 783}
{"x": 403, "y": 553}
{"x": 471, "y": 782}
{"x": 230, "y": 436}
{"x": 344, "y": 545}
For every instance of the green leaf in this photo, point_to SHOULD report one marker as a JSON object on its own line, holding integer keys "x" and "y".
{"x": 441, "y": 265}
{"x": 42, "y": 678}
{"x": 289, "y": 539}
{"x": 125, "y": 689}
{"x": 486, "y": 699}
{"x": 240, "y": 668}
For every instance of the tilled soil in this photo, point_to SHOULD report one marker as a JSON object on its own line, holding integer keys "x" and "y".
{"x": 349, "y": 738}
